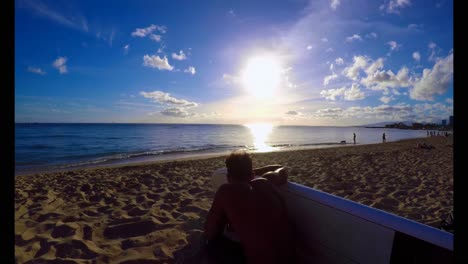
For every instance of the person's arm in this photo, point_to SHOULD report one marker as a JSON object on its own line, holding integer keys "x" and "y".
{"x": 216, "y": 219}
{"x": 262, "y": 170}
{"x": 277, "y": 177}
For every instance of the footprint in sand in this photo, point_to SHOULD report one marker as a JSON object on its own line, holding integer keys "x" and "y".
{"x": 91, "y": 213}
{"x": 87, "y": 232}
{"x": 137, "y": 212}
{"x": 48, "y": 216}
{"x": 75, "y": 249}
{"x": 44, "y": 248}
{"x": 195, "y": 190}
{"x": 153, "y": 196}
{"x": 64, "y": 230}
{"x": 133, "y": 229}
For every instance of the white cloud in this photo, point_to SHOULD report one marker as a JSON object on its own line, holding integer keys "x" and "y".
{"x": 292, "y": 112}
{"x": 166, "y": 98}
{"x": 331, "y": 94}
{"x": 351, "y": 94}
{"x": 376, "y": 65}
{"x": 126, "y": 48}
{"x": 161, "y": 48}
{"x": 329, "y": 113}
{"x": 392, "y": 108}
{"x": 177, "y": 112}
{"x": 354, "y": 93}
{"x": 352, "y": 72}
{"x": 415, "y": 27}
{"x": 432, "y": 47}
{"x": 372, "y": 35}
{"x": 190, "y": 70}
{"x": 329, "y": 50}
{"x": 393, "y": 45}
{"x": 433, "y": 113}
{"x": 375, "y": 77}
{"x": 403, "y": 77}
{"x": 431, "y": 108}
{"x": 353, "y": 38}
{"x": 60, "y": 65}
{"x": 157, "y": 62}
{"x": 309, "y": 47}
{"x": 416, "y": 56}
{"x": 381, "y": 112}
{"x": 434, "y": 81}
{"x": 394, "y": 6}
{"x": 386, "y": 99}
{"x": 143, "y": 32}
{"x": 324, "y": 40}
{"x": 155, "y": 37}
{"x": 383, "y": 80}
{"x": 36, "y": 70}
{"x": 339, "y": 61}
{"x": 180, "y": 56}
{"x": 449, "y": 100}
{"x": 399, "y": 112}
{"x": 328, "y": 78}
{"x": 334, "y": 4}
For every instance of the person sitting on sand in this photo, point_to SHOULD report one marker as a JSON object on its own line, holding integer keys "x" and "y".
{"x": 254, "y": 210}
{"x": 424, "y": 146}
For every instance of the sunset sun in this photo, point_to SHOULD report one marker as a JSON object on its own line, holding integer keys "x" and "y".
{"x": 261, "y": 77}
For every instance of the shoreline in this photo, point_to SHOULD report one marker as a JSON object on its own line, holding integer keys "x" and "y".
{"x": 135, "y": 161}
{"x": 156, "y": 211}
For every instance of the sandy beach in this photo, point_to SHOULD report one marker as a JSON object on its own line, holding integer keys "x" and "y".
{"x": 154, "y": 213}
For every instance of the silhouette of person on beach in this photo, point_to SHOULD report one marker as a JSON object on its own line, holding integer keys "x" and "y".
{"x": 354, "y": 138}
{"x": 383, "y": 138}
{"x": 254, "y": 211}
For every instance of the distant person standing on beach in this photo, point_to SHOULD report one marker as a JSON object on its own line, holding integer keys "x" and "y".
{"x": 354, "y": 138}
{"x": 383, "y": 138}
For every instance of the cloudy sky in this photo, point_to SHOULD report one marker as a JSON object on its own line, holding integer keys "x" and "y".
{"x": 296, "y": 62}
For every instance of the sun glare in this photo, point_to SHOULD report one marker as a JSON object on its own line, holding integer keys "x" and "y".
{"x": 260, "y": 134}
{"x": 261, "y": 76}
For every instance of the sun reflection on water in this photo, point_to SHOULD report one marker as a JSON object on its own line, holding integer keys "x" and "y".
{"x": 260, "y": 135}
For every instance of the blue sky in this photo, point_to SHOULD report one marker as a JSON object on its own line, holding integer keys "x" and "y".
{"x": 325, "y": 62}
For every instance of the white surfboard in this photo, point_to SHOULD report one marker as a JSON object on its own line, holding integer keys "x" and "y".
{"x": 332, "y": 229}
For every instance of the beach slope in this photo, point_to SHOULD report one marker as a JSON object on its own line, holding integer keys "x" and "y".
{"x": 154, "y": 213}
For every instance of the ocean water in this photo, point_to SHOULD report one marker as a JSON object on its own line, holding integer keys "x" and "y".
{"x": 49, "y": 147}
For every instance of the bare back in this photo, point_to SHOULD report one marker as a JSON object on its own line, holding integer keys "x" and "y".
{"x": 258, "y": 216}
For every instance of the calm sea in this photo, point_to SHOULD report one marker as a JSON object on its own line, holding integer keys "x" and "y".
{"x": 49, "y": 147}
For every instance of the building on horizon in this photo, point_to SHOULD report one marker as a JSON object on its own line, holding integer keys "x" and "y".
{"x": 444, "y": 122}
{"x": 451, "y": 120}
